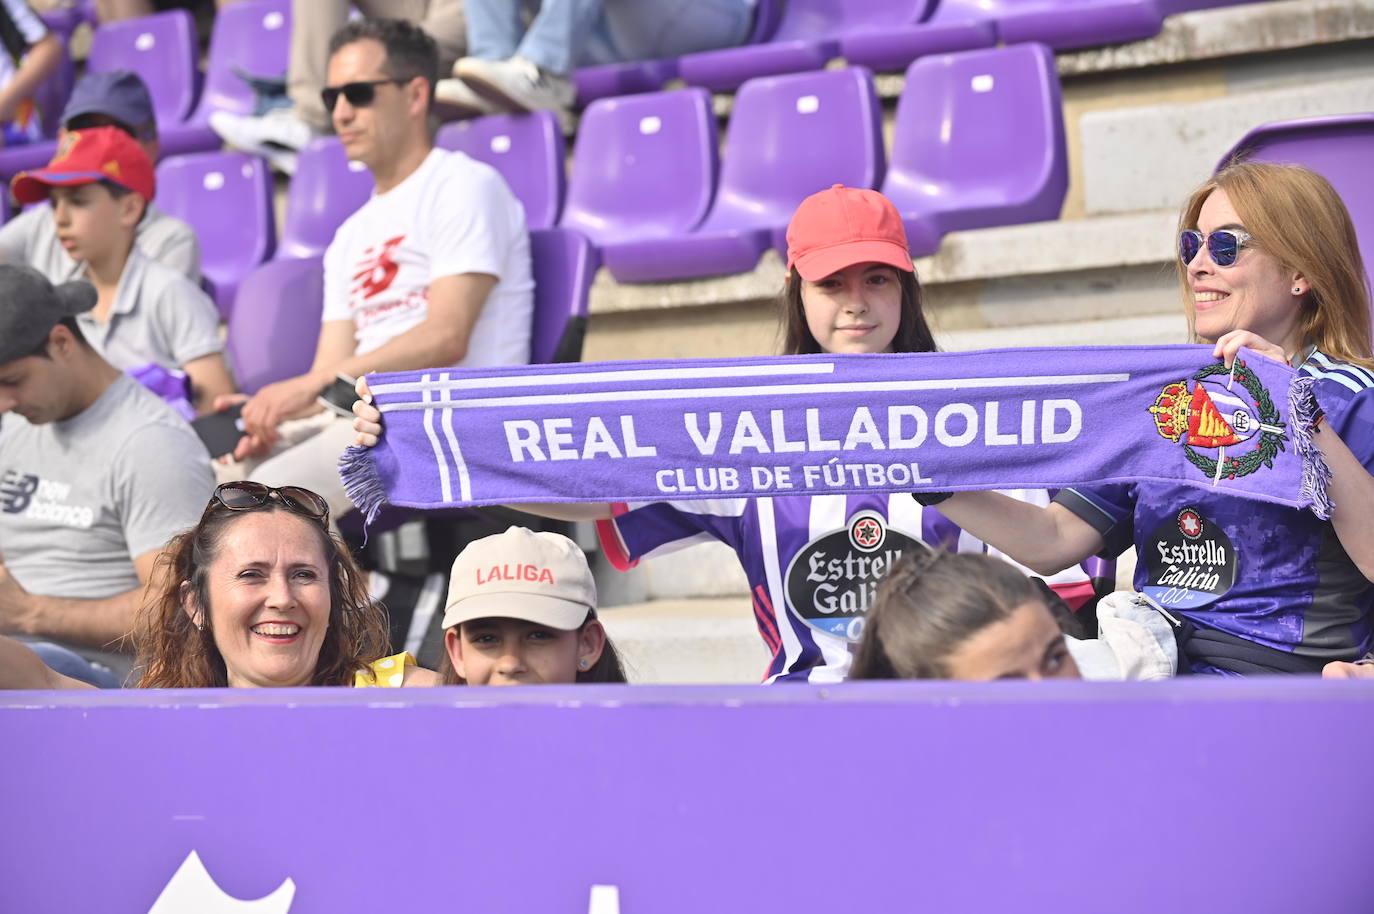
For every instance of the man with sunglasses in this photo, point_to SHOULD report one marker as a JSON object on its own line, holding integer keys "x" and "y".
{"x": 96, "y": 474}
{"x": 434, "y": 270}
{"x": 117, "y": 98}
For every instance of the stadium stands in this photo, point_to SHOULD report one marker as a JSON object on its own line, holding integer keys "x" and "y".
{"x": 275, "y": 321}
{"x": 955, "y": 172}
{"x": 51, "y": 98}
{"x": 162, "y": 49}
{"x": 644, "y": 166}
{"x": 249, "y": 39}
{"x": 789, "y": 137}
{"x": 527, "y": 149}
{"x": 564, "y": 263}
{"x": 227, "y": 198}
{"x": 327, "y": 190}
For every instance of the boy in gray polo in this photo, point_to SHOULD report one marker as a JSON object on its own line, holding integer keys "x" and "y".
{"x": 96, "y": 474}
{"x": 100, "y": 181}
{"x": 117, "y": 98}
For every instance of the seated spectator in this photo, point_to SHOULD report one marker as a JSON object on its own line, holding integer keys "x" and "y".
{"x": 521, "y": 610}
{"x": 280, "y": 134}
{"x": 939, "y": 615}
{"x": 96, "y": 474}
{"x": 433, "y": 270}
{"x": 114, "y": 99}
{"x": 1267, "y": 259}
{"x": 258, "y": 594}
{"x": 32, "y": 53}
{"x": 514, "y": 68}
{"x": 100, "y": 182}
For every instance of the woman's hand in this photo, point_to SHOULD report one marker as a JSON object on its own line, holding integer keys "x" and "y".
{"x": 1229, "y": 343}
{"x": 1363, "y": 669}
{"x": 368, "y": 423}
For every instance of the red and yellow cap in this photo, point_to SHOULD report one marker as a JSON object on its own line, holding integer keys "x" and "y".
{"x": 87, "y": 156}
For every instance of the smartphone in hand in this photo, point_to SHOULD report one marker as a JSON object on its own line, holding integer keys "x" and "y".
{"x": 220, "y": 431}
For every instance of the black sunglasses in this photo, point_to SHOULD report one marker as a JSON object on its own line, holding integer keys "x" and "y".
{"x": 359, "y": 95}
{"x": 247, "y": 495}
{"x": 1223, "y": 245}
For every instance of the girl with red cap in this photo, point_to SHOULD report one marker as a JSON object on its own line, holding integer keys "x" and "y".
{"x": 812, "y": 561}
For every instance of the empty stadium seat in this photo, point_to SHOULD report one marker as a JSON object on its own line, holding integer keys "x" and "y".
{"x": 994, "y": 155}
{"x": 51, "y": 98}
{"x": 251, "y": 38}
{"x": 789, "y": 137}
{"x": 227, "y": 198}
{"x": 644, "y": 166}
{"x": 1339, "y": 148}
{"x": 527, "y": 149}
{"x": 892, "y": 47}
{"x": 807, "y": 37}
{"x": 275, "y": 322}
{"x": 162, "y": 49}
{"x": 633, "y": 77}
{"x": 564, "y": 263}
{"x": 1066, "y": 24}
{"x": 326, "y": 190}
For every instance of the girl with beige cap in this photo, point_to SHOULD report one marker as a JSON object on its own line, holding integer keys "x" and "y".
{"x": 521, "y": 610}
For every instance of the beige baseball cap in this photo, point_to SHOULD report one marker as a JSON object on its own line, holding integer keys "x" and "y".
{"x": 521, "y": 574}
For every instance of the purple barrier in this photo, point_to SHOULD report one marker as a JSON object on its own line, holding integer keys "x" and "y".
{"x": 1186, "y": 795}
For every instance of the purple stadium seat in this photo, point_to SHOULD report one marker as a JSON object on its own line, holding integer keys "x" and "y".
{"x": 160, "y": 48}
{"x": 564, "y": 263}
{"x": 633, "y": 77}
{"x": 528, "y": 151}
{"x": 994, "y": 155}
{"x": 275, "y": 322}
{"x": 891, "y": 48}
{"x": 51, "y": 97}
{"x": 249, "y": 37}
{"x": 1066, "y": 24}
{"x": 326, "y": 190}
{"x": 644, "y": 166}
{"x": 807, "y": 37}
{"x": 1339, "y": 148}
{"x": 227, "y": 198}
{"x": 789, "y": 137}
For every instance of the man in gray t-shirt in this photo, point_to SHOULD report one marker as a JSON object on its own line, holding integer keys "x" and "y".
{"x": 117, "y": 98}
{"x": 96, "y": 473}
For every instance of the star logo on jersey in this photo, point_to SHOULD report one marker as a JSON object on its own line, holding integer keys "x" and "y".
{"x": 866, "y": 531}
{"x": 377, "y": 269}
{"x": 1190, "y": 523}
{"x": 1223, "y": 409}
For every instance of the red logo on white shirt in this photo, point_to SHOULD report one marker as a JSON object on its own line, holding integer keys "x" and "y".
{"x": 377, "y": 269}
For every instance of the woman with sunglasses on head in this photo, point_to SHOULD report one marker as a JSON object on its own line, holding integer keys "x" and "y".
{"x": 258, "y": 594}
{"x": 851, "y": 289}
{"x": 1268, "y": 260}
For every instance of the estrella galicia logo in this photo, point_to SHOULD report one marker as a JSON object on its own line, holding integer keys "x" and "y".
{"x": 831, "y": 582}
{"x": 16, "y": 491}
{"x": 1190, "y": 561}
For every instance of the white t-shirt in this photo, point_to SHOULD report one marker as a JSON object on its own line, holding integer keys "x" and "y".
{"x": 453, "y": 215}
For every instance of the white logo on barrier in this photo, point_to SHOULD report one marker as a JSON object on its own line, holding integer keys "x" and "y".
{"x": 192, "y": 890}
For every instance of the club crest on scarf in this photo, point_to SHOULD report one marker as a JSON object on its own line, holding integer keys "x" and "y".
{"x": 1221, "y": 411}
{"x": 831, "y": 582}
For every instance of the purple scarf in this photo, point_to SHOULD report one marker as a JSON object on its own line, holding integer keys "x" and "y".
{"x": 723, "y": 428}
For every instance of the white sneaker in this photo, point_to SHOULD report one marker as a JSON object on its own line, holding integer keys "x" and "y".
{"x": 278, "y": 135}
{"x": 456, "y": 101}
{"x": 516, "y": 84}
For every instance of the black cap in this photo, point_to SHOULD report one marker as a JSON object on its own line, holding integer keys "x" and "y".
{"x": 30, "y": 307}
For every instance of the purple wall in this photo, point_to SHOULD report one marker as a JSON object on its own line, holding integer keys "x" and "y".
{"x": 1185, "y": 795}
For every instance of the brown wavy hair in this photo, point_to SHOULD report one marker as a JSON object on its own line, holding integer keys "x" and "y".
{"x": 1296, "y": 216}
{"x": 913, "y": 333}
{"x": 172, "y": 653}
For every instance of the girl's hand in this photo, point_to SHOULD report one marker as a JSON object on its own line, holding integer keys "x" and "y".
{"x": 1228, "y": 343}
{"x": 368, "y": 423}
{"x": 1338, "y": 670}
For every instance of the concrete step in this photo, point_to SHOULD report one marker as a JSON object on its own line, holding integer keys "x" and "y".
{"x": 687, "y": 641}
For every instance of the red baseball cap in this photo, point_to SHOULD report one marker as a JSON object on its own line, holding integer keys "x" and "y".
{"x": 87, "y": 156}
{"x": 842, "y": 226}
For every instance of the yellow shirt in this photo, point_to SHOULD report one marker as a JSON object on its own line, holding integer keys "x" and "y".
{"x": 386, "y": 673}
